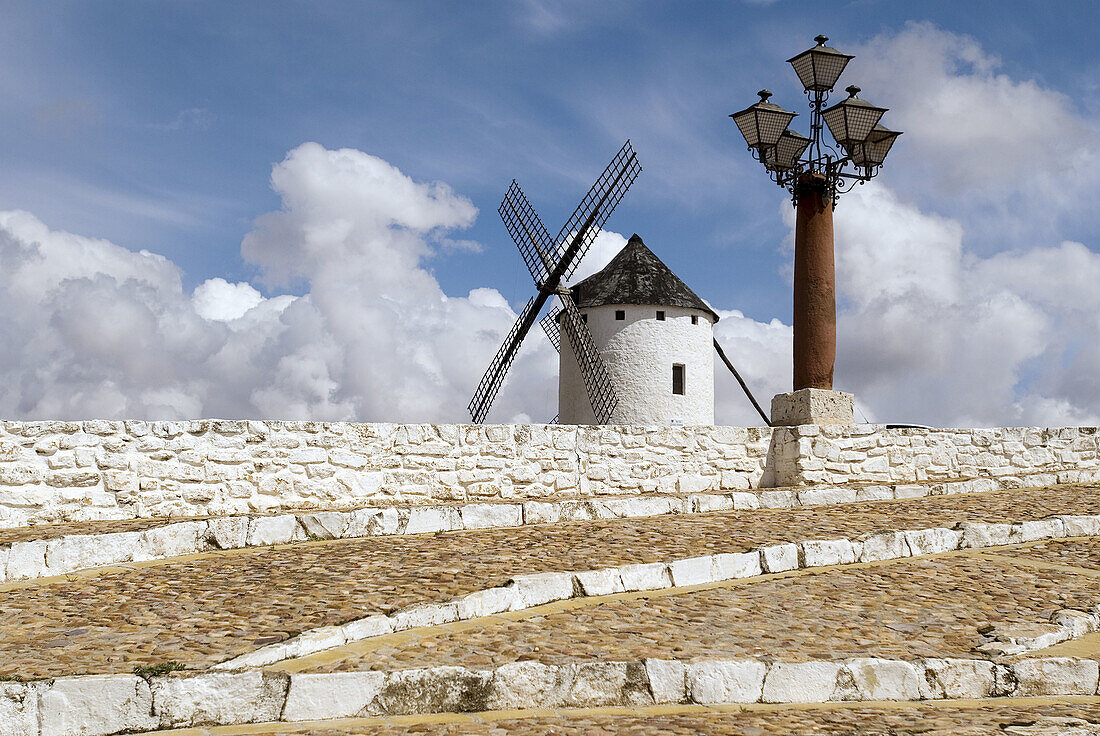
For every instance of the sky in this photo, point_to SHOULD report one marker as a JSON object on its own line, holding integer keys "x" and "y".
{"x": 287, "y": 210}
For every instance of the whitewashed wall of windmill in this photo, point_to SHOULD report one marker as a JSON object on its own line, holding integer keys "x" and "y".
{"x": 639, "y": 353}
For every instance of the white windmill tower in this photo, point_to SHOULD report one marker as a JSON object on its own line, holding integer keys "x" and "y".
{"x": 637, "y": 339}
{"x": 655, "y": 336}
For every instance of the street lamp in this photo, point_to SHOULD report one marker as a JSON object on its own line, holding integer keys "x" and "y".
{"x": 816, "y": 174}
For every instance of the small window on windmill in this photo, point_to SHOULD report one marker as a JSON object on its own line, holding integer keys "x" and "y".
{"x": 620, "y": 314}
{"x": 678, "y": 379}
{"x": 660, "y": 315}
{"x": 695, "y": 319}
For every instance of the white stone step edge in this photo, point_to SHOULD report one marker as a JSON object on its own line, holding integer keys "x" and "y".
{"x": 101, "y": 705}
{"x": 1006, "y": 639}
{"x": 527, "y": 591}
{"x": 39, "y": 558}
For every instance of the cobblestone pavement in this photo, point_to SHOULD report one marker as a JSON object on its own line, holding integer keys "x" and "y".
{"x": 917, "y": 608}
{"x": 1074, "y": 552}
{"x": 1006, "y": 718}
{"x": 53, "y": 531}
{"x": 208, "y": 608}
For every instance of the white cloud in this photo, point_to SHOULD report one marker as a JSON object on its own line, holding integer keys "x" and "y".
{"x": 217, "y": 299}
{"x": 927, "y": 331}
{"x": 1014, "y": 147}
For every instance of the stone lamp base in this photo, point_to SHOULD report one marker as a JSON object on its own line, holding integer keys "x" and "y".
{"x": 812, "y": 406}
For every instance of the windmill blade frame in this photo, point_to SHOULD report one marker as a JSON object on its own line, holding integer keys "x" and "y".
{"x": 493, "y": 378}
{"x": 597, "y": 380}
{"x": 597, "y": 205}
{"x": 572, "y": 243}
{"x": 550, "y": 326}
{"x": 532, "y": 238}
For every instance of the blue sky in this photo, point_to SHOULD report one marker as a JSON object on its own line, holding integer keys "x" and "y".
{"x": 156, "y": 125}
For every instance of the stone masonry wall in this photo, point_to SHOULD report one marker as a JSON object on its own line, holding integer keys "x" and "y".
{"x": 54, "y": 471}
{"x": 870, "y": 453}
{"x": 60, "y": 471}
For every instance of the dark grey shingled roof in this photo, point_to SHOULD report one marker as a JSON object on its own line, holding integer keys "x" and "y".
{"x": 637, "y": 276}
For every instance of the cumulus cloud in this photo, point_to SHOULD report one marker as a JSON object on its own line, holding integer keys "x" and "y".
{"x": 98, "y": 330}
{"x": 928, "y": 331}
{"x": 1013, "y": 147}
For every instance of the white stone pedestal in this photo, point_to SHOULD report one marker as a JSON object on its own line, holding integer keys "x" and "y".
{"x": 812, "y": 406}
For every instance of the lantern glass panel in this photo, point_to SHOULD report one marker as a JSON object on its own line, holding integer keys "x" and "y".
{"x": 819, "y": 68}
{"x": 787, "y": 152}
{"x": 851, "y": 121}
{"x": 763, "y": 123}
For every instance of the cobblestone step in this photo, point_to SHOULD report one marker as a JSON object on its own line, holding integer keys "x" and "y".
{"x": 108, "y": 704}
{"x": 1069, "y": 716}
{"x": 209, "y": 608}
{"x": 49, "y": 550}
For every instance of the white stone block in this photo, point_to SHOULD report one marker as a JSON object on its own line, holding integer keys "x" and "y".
{"x": 491, "y": 515}
{"x": 540, "y": 512}
{"x": 1055, "y": 676}
{"x": 812, "y": 406}
{"x": 692, "y": 571}
{"x": 433, "y": 690}
{"x": 26, "y": 560}
{"x": 1081, "y": 526}
{"x": 638, "y": 507}
{"x": 596, "y": 684}
{"x": 744, "y": 501}
{"x": 734, "y": 565}
{"x": 519, "y": 685}
{"x": 884, "y": 546}
{"x": 80, "y": 551}
{"x": 727, "y": 681}
{"x": 1030, "y": 531}
{"x": 933, "y": 541}
{"x": 778, "y": 499}
{"x": 801, "y": 682}
{"x": 1076, "y": 623}
{"x": 600, "y": 582}
{"x": 229, "y": 532}
{"x": 218, "y": 698}
{"x": 427, "y": 614}
{"x": 265, "y": 531}
{"x": 95, "y": 705}
{"x": 875, "y": 493}
{"x": 316, "y": 640}
{"x": 883, "y": 679}
{"x": 430, "y": 519}
{"x": 322, "y": 696}
{"x": 487, "y": 602}
{"x": 540, "y": 588}
{"x": 779, "y": 557}
{"x": 667, "y": 680}
{"x": 174, "y": 540}
{"x": 955, "y": 679}
{"x": 702, "y": 503}
{"x": 826, "y": 496}
{"x": 978, "y": 534}
{"x": 910, "y": 491}
{"x": 367, "y": 627}
{"x": 18, "y": 709}
{"x": 822, "y": 552}
{"x": 325, "y": 524}
{"x": 649, "y": 576}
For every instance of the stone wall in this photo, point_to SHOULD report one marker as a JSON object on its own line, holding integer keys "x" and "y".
{"x": 54, "y": 471}
{"x": 870, "y": 453}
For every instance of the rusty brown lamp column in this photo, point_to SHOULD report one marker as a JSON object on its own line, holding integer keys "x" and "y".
{"x": 814, "y": 285}
{"x": 816, "y": 174}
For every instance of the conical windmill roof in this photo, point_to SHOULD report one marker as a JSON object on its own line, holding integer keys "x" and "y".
{"x": 637, "y": 276}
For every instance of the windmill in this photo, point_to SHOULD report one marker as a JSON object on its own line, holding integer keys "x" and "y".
{"x": 551, "y": 263}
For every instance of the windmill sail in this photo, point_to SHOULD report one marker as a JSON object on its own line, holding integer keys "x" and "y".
{"x": 597, "y": 381}
{"x": 551, "y": 262}
{"x": 523, "y": 224}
